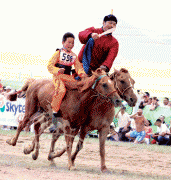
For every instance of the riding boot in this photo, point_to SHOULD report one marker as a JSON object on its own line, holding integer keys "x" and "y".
{"x": 54, "y": 121}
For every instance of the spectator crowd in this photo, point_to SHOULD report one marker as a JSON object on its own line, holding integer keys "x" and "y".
{"x": 137, "y": 128}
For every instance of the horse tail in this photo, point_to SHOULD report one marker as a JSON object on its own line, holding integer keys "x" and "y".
{"x": 13, "y": 96}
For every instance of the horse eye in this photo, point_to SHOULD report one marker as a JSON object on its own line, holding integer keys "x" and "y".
{"x": 122, "y": 82}
{"x": 105, "y": 85}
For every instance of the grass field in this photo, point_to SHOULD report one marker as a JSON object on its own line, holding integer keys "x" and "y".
{"x": 124, "y": 160}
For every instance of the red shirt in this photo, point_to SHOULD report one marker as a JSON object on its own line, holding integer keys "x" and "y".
{"x": 149, "y": 131}
{"x": 104, "y": 51}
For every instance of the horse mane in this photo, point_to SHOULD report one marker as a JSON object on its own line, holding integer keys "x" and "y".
{"x": 72, "y": 85}
{"x": 82, "y": 85}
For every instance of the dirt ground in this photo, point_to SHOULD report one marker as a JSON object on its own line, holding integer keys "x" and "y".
{"x": 124, "y": 160}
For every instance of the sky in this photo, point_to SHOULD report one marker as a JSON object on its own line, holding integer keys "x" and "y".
{"x": 34, "y": 29}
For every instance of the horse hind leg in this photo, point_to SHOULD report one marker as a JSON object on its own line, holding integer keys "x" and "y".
{"x": 21, "y": 126}
{"x": 48, "y": 121}
{"x": 30, "y": 109}
{"x": 28, "y": 149}
{"x": 37, "y": 146}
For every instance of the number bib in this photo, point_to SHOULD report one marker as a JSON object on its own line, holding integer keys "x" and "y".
{"x": 66, "y": 58}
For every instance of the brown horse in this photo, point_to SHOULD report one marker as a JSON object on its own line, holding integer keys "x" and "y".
{"x": 124, "y": 85}
{"x": 73, "y": 108}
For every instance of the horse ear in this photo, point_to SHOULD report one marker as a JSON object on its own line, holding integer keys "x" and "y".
{"x": 116, "y": 72}
{"x": 88, "y": 82}
{"x": 132, "y": 82}
{"x": 124, "y": 70}
{"x": 98, "y": 72}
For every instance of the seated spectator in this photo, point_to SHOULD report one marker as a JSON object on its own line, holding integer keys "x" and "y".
{"x": 161, "y": 136}
{"x": 162, "y": 118}
{"x": 149, "y": 101}
{"x": 140, "y": 122}
{"x": 148, "y": 131}
{"x": 165, "y": 102}
{"x": 123, "y": 124}
{"x": 145, "y": 100}
{"x": 113, "y": 136}
{"x": 154, "y": 104}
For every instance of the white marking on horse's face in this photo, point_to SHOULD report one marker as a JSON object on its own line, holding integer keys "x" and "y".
{"x": 109, "y": 81}
{"x": 130, "y": 82}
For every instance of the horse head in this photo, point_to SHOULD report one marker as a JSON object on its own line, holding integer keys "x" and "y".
{"x": 124, "y": 85}
{"x": 102, "y": 84}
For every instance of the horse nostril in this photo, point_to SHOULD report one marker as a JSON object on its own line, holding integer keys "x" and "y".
{"x": 118, "y": 101}
{"x": 131, "y": 99}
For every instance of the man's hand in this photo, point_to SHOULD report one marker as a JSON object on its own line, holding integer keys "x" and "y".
{"x": 83, "y": 75}
{"x": 61, "y": 70}
{"x": 95, "y": 36}
{"x": 104, "y": 68}
{"x": 162, "y": 134}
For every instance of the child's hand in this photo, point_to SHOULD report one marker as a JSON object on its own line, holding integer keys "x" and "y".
{"x": 62, "y": 70}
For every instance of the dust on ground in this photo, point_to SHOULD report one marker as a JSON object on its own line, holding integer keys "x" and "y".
{"x": 124, "y": 160}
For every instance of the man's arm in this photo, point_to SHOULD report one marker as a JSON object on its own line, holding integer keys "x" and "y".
{"x": 146, "y": 121}
{"x": 111, "y": 56}
{"x": 86, "y": 34}
{"x": 133, "y": 116}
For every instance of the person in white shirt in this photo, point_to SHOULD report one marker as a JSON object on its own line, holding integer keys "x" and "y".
{"x": 139, "y": 99}
{"x": 165, "y": 102}
{"x": 162, "y": 135}
{"x": 123, "y": 124}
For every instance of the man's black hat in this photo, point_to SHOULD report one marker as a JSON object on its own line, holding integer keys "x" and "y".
{"x": 110, "y": 17}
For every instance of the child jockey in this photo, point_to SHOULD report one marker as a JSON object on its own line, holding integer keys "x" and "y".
{"x": 60, "y": 66}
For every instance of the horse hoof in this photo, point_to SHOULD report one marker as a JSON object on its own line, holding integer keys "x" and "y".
{"x": 27, "y": 150}
{"x": 105, "y": 170}
{"x": 72, "y": 168}
{"x": 34, "y": 156}
{"x": 50, "y": 157}
{"x": 10, "y": 142}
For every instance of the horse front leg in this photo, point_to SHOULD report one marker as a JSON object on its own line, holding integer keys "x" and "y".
{"x": 79, "y": 146}
{"x": 102, "y": 138}
{"x": 55, "y": 137}
{"x": 69, "y": 142}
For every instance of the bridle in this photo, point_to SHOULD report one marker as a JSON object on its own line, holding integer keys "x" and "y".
{"x": 95, "y": 83}
{"x": 122, "y": 93}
